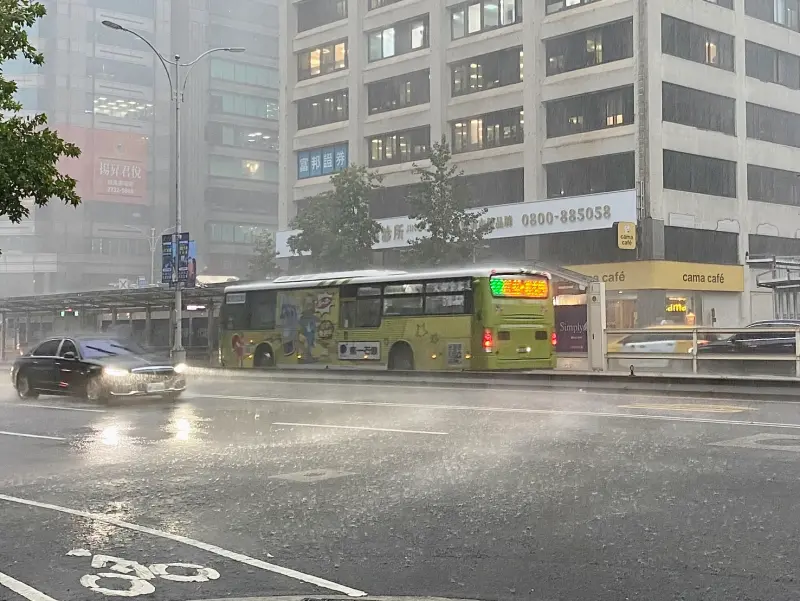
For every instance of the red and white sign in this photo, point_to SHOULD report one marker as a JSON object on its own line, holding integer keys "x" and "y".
{"x": 112, "y": 166}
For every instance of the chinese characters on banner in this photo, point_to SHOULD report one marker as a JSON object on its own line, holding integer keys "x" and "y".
{"x": 180, "y": 261}
{"x": 167, "y": 256}
{"x": 118, "y": 178}
{"x": 183, "y": 257}
{"x": 321, "y": 161}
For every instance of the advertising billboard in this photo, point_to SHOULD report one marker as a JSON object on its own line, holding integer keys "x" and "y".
{"x": 321, "y": 161}
{"x": 112, "y": 166}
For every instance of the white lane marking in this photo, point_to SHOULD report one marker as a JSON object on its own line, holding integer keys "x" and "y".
{"x": 59, "y": 408}
{"x": 308, "y": 476}
{"x": 20, "y": 434}
{"x": 245, "y": 559}
{"x": 23, "y": 589}
{"x": 762, "y": 441}
{"x": 358, "y": 428}
{"x": 564, "y": 412}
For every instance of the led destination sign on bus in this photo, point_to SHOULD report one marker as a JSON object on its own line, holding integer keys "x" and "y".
{"x": 515, "y": 288}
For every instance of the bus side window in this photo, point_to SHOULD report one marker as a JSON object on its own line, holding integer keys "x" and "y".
{"x": 348, "y": 314}
{"x": 262, "y": 306}
{"x": 368, "y": 313}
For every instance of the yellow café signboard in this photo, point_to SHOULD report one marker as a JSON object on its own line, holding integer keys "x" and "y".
{"x": 666, "y": 275}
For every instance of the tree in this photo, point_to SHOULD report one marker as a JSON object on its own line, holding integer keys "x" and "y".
{"x": 336, "y": 230}
{"x": 450, "y": 231}
{"x": 262, "y": 263}
{"x": 29, "y": 152}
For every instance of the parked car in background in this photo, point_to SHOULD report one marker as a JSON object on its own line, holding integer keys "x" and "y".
{"x": 97, "y": 368}
{"x": 748, "y": 353}
{"x": 667, "y": 339}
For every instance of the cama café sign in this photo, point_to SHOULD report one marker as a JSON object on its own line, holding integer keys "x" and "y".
{"x": 557, "y": 215}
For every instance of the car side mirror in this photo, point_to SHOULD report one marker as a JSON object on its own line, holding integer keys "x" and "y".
{"x": 70, "y": 356}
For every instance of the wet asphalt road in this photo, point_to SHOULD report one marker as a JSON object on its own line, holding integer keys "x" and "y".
{"x": 420, "y": 491}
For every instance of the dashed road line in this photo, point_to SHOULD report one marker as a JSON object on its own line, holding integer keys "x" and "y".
{"x": 689, "y": 407}
{"x": 509, "y": 410}
{"x": 241, "y": 558}
{"x": 22, "y": 435}
{"x": 337, "y": 427}
{"x": 22, "y": 589}
{"x": 56, "y": 408}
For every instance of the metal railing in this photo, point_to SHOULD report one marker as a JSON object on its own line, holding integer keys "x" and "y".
{"x": 702, "y": 334}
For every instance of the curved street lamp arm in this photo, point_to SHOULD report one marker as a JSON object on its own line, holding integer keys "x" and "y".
{"x": 160, "y": 56}
{"x": 191, "y": 64}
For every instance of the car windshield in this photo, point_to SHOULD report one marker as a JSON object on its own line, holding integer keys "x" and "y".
{"x": 94, "y": 349}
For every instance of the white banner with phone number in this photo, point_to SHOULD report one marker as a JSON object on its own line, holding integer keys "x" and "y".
{"x": 553, "y": 216}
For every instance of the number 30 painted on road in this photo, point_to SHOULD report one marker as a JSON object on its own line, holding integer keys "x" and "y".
{"x": 136, "y": 576}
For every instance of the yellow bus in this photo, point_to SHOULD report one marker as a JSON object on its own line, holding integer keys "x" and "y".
{"x": 457, "y": 319}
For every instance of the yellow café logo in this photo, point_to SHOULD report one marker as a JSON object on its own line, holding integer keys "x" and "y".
{"x": 665, "y": 275}
{"x": 626, "y": 235}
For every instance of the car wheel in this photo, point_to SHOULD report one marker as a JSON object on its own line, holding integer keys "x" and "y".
{"x": 24, "y": 389}
{"x": 95, "y": 392}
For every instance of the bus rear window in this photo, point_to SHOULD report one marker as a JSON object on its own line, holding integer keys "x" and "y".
{"x": 517, "y": 287}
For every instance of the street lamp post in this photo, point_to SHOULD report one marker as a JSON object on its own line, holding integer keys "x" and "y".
{"x": 177, "y": 88}
{"x": 152, "y": 239}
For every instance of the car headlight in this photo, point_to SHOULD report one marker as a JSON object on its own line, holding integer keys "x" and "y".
{"x": 115, "y": 372}
{"x": 181, "y": 368}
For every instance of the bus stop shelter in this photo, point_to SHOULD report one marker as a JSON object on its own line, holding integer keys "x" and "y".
{"x": 84, "y": 310}
{"x": 782, "y": 276}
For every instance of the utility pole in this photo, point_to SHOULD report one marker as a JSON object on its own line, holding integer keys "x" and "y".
{"x": 177, "y": 87}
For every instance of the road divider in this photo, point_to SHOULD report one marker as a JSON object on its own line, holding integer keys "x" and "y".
{"x": 705, "y": 386}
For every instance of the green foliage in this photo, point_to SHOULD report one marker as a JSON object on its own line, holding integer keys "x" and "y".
{"x": 29, "y": 152}
{"x": 450, "y": 231}
{"x": 336, "y": 230}
{"x": 262, "y": 263}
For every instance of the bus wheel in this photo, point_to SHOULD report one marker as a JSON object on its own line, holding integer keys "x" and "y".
{"x": 264, "y": 357}
{"x": 401, "y": 357}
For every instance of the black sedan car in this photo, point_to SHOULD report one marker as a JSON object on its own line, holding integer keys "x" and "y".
{"x": 753, "y": 352}
{"x": 97, "y": 368}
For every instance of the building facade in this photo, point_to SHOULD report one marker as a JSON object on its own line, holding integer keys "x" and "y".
{"x": 567, "y": 116}
{"x": 106, "y": 91}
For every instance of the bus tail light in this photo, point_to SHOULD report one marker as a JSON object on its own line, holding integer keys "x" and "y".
{"x": 553, "y": 339}
{"x": 488, "y": 340}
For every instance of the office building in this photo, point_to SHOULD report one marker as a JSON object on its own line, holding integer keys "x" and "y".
{"x": 106, "y": 91}
{"x": 680, "y": 116}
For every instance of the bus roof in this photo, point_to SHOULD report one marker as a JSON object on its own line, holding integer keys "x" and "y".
{"x": 376, "y": 276}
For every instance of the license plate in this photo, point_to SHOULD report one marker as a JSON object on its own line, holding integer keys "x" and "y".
{"x": 156, "y": 387}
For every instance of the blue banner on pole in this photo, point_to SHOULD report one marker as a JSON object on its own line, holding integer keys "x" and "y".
{"x": 167, "y": 258}
{"x": 183, "y": 257}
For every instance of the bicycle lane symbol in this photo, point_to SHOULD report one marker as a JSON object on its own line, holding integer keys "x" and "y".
{"x": 136, "y": 578}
